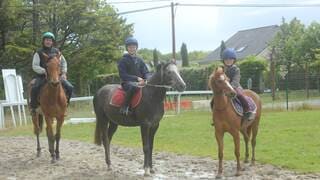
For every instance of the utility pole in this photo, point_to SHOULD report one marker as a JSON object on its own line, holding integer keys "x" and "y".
{"x": 272, "y": 68}
{"x": 173, "y": 33}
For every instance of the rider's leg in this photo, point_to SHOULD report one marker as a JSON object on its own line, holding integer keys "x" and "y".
{"x": 130, "y": 91}
{"x": 35, "y": 91}
{"x": 245, "y": 104}
{"x": 68, "y": 88}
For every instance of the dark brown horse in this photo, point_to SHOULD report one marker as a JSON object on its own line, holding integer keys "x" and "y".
{"x": 53, "y": 104}
{"x": 147, "y": 114}
{"x": 227, "y": 120}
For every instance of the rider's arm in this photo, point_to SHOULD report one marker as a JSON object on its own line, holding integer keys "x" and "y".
{"x": 36, "y": 64}
{"x": 63, "y": 65}
{"x": 235, "y": 80}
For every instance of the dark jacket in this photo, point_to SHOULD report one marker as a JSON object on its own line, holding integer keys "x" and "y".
{"x": 132, "y": 67}
{"x": 49, "y": 51}
{"x": 233, "y": 73}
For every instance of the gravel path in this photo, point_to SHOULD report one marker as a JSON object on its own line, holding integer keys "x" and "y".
{"x": 80, "y": 160}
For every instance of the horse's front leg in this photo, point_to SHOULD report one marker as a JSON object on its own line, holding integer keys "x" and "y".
{"x": 145, "y": 135}
{"x": 236, "y": 140}
{"x": 152, "y": 134}
{"x": 219, "y": 137}
{"x": 37, "y": 129}
{"x": 49, "y": 121}
{"x": 60, "y": 121}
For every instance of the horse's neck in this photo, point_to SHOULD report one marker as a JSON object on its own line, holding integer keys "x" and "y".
{"x": 155, "y": 92}
{"x": 220, "y": 101}
{"x": 54, "y": 93}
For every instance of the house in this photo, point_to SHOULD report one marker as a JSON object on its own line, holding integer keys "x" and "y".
{"x": 247, "y": 42}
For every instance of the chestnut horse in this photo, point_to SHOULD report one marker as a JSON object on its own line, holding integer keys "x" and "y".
{"x": 225, "y": 118}
{"x": 53, "y": 104}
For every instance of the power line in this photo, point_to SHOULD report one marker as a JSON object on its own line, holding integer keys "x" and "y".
{"x": 250, "y": 5}
{"x": 144, "y": 1}
{"x": 141, "y": 10}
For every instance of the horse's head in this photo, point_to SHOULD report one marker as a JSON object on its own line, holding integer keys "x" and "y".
{"x": 219, "y": 83}
{"x": 170, "y": 76}
{"x": 53, "y": 69}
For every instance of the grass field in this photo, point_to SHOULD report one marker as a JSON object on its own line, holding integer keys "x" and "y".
{"x": 286, "y": 139}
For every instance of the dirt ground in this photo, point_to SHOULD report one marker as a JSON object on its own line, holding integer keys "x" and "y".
{"x": 80, "y": 160}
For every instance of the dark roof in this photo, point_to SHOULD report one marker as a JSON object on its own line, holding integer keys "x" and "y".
{"x": 246, "y": 42}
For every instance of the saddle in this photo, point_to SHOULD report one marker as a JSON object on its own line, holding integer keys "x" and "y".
{"x": 118, "y": 97}
{"x": 236, "y": 103}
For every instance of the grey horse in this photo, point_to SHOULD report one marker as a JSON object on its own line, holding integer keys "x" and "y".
{"x": 147, "y": 114}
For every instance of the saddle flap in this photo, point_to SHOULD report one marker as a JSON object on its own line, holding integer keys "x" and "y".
{"x": 236, "y": 103}
{"x": 119, "y": 94}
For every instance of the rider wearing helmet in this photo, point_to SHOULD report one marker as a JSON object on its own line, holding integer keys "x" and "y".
{"x": 229, "y": 57}
{"x": 39, "y": 67}
{"x": 132, "y": 71}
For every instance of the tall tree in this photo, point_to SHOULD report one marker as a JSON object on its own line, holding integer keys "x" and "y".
{"x": 184, "y": 55}
{"x": 155, "y": 57}
{"x": 222, "y": 48}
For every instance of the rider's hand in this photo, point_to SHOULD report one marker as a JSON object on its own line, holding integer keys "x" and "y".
{"x": 140, "y": 81}
{"x": 64, "y": 76}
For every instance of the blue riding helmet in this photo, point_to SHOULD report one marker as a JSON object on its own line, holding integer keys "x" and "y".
{"x": 229, "y": 53}
{"x": 131, "y": 41}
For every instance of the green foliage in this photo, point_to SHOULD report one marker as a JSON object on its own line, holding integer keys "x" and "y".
{"x": 196, "y": 78}
{"x": 184, "y": 55}
{"x": 253, "y": 67}
{"x": 89, "y": 33}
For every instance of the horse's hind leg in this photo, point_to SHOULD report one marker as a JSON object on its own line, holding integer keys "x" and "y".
{"x": 246, "y": 136}
{"x": 106, "y": 142}
{"x": 253, "y": 141}
{"x": 58, "y": 135}
{"x": 112, "y": 129}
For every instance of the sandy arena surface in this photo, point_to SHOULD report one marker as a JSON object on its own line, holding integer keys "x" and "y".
{"x": 80, "y": 160}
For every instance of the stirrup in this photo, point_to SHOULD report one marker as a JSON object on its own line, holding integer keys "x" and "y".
{"x": 248, "y": 116}
{"x": 125, "y": 111}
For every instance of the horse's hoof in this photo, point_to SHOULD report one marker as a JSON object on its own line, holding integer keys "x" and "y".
{"x": 147, "y": 172}
{"x": 38, "y": 154}
{"x": 238, "y": 173}
{"x": 53, "y": 161}
{"x": 246, "y": 161}
{"x": 152, "y": 171}
{"x": 109, "y": 168}
{"x": 219, "y": 176}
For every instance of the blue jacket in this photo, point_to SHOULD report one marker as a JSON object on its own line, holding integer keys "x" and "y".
{"x": 132, "y": 67}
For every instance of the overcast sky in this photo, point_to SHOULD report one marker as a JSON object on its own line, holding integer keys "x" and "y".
{"x": 203, "y": 28}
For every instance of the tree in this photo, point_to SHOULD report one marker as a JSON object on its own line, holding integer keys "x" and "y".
{"x": 89, "y": 33}
{"x": 222, "y": 48}
{"x": 184, "y": 55}
{"x": 155, "y": 57}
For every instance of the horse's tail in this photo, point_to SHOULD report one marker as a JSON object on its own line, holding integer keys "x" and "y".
{"x": 100, "y": 124}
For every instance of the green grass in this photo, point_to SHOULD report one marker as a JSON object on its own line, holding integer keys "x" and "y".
{"x": 286, "y": 139}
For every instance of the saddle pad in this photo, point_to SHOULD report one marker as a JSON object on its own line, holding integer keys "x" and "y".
{"x": 236, "y": 103}
{"x": 119, "y": 95}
